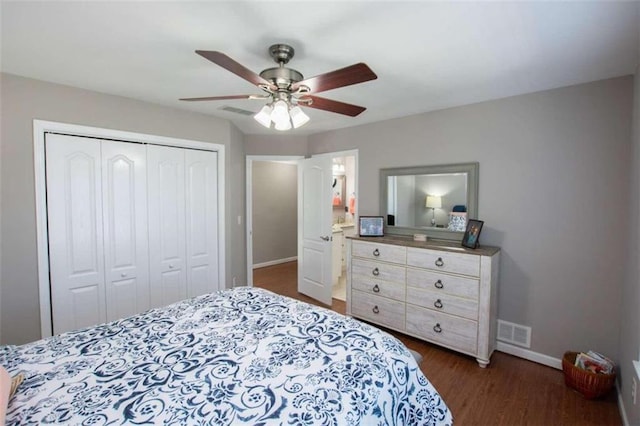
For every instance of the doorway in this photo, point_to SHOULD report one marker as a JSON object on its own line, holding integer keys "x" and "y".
{"x": 272, "y": 185}
{"x": 279, "y": 268}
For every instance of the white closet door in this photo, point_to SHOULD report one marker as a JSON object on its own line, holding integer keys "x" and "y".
{"x": 74, "y": 202}
{"x": 202, "y": 221}
{"x": 124, "y": 195}
{"x": 166, "y": 198}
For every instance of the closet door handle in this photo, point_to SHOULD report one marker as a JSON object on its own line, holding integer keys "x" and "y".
{"x": 439, "y": 262}
{"x": 437, "y": 328}
{"x": 376, "y": 289}
{"x": 124, "y": 274}
{"x": 376, "y": 310}
{"x": 171, "y": 266}
{"x": 438, "y": 284}
{"x": 375, "y": 272}
{"x": 438, "y": 304}
{"x": 376, "y": 252}
{"x": 327, "y": 238}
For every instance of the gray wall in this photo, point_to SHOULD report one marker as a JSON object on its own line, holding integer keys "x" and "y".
{"x": 275, "y": 211}
{"x": 553, "y": 192}
{"x": 279, "y": 144}
{"x": 24, "y": 100}
{"x": 236, "y": 207}
{"x": 630, "y": 314}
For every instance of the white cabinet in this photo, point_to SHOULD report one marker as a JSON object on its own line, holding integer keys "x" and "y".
{"x": 427, "y": 291}
{"x": 131, "y": 226}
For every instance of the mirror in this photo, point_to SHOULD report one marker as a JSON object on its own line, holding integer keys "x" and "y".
{"x": 433, "y": 200}
{"x": 338, "y": 192}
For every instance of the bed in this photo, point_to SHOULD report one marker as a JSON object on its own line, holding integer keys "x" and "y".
{"x": 240, "y": 356}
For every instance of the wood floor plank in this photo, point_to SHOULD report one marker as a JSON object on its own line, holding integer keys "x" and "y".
{"x": 511, "y": 391}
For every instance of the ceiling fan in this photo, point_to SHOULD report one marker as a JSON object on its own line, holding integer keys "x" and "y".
{"x": 287, "y": 89}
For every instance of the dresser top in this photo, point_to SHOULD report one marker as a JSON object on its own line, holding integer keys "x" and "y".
{"x": 407, "y": 241}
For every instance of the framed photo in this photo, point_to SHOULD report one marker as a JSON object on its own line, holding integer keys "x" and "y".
{"x": 472, "y": 233}
{"x": 371, "y": 226}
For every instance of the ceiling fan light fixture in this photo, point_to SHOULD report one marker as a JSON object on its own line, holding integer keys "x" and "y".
{"x": 280, "y": 112}
{"x": 298, "y": 117}
{"x": 264, "y": 116}
{"x": 283, "y": 125}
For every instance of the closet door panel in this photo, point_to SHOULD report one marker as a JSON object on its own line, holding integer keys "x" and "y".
{"x": 74, "y": 215}
{"x": 124, "y": 183}
{"x": 201, "y": 222}
{"x": 166, "y": 198}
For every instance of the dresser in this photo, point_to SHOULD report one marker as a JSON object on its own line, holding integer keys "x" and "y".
{"x": 434, "y": 291}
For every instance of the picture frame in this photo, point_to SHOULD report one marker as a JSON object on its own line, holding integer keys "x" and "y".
{"x": 371, "y": 226}
{"x": 472, "y": 233}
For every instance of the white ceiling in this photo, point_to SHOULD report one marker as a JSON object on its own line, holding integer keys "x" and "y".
{"x": 427, "y": 55}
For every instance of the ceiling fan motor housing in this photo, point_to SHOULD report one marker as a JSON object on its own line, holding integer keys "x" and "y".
{"x": 281, "y": 76}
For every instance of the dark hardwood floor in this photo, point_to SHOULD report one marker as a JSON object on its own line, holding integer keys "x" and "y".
{"x": 511, "y": 391}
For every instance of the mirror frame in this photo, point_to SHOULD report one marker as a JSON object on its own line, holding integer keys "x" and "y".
{"x": 473, "y": 172}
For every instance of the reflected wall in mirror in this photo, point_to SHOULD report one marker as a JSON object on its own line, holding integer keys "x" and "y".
{"x": 434, "y": 200}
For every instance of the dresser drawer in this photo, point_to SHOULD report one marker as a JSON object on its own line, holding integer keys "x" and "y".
{"x": 457, "y": 263}
{"x": 384, "y": 252}
{"x": 443, "y": 283}
{"x": 380, "y": 310}
{"x": 454, "y": 332}
{"x": 391, "y": 290}
{"x": 379, "y": 270}
{"x": 441, "y": 302}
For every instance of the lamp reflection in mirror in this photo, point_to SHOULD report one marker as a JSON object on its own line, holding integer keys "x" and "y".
{"x": 283, "y": 115}
{"x": 433, "y": 202}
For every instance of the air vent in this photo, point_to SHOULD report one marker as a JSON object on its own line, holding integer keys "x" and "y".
{"x": 514, "y": 333}
{"x": 237, "y": 110}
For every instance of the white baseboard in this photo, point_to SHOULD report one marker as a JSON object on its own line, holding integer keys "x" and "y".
{"x": 529, "y": 355}
{"x": 623, "y": 413}
{"x": 274, "y": 262}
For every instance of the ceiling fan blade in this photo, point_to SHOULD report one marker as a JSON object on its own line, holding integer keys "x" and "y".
{"x": 219, "y": 98}
{"x": 229, "y": 64}
{"x": 333, "y": 106}
{"x": 354, "y": 74}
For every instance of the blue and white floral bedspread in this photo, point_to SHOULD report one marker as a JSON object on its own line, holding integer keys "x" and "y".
{"x": 242, "y": 356}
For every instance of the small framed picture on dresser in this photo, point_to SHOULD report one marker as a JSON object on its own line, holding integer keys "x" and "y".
{"x": 371, "y": 226}
{"x": 472, "y": 233}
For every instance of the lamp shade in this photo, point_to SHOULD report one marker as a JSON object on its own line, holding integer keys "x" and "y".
{"x": 433, "y": 202}
{"x": 280, "y": 113}
{"x": 264, "y": 116}
{"x": 298, "y": 117}
{"x": 282, "y": 125}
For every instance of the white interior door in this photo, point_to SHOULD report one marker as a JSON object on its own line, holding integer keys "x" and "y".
{"x": 314, "y": 228}
{"x": 201, "y": 222}
{"x": 126, "y": 256}
{"x": 166, "y": 198}
{"x": 74, "y": 214}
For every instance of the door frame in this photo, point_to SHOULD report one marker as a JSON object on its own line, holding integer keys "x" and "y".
{"x": 249, "y": 202}
{"x": 40, "y": 128}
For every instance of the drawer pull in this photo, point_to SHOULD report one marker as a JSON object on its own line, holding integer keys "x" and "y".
{"x": 439, "y": 262}
{"x": 376, "y": 272}
{"x": 438, "y": 304}
{"x": 376, "y": 252}
{"x": 376, "y": 310}
{"x": 437, "y": 328}
{"x": 438, "y": 284}
{"x": 376, "y": 289}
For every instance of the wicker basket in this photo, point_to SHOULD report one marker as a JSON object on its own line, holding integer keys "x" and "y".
{"x": 590, "y": 385}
